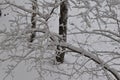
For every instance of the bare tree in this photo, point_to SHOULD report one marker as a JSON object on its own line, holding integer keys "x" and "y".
{"x": 62, "y": 30}
{"x": 90, "y": 42}
{"x": 0, "y": 13}
{"x": 33, "y": 20}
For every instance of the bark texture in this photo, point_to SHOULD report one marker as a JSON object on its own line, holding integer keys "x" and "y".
{"x": 0, "y": 13}
{"x": 33, "y": 21}
{"x": 62, "y": 30}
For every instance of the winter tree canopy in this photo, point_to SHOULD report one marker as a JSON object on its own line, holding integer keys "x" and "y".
{"x": 60, "y": 39}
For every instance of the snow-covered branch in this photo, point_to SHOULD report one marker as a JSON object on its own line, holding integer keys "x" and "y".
{"x": 92, "y": 57}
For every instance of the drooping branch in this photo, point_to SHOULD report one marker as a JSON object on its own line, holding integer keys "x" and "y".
{"x": 92, "y": 57}
{"x": 84, "y": 53}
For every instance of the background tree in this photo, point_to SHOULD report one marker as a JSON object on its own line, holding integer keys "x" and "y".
{"x": 0, "y": 13}
{"x": 62, "y": 30}
{"x": 33, "y": 20}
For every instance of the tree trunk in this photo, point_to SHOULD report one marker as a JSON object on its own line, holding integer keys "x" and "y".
{"x": 33, "y": 21}
{"x": 62, "y": 30}
{"x": 0, "y": 13}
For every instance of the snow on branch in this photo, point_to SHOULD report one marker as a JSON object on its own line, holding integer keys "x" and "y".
{"x": 92, "y": 57}
{"x": 24, "y": 9}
